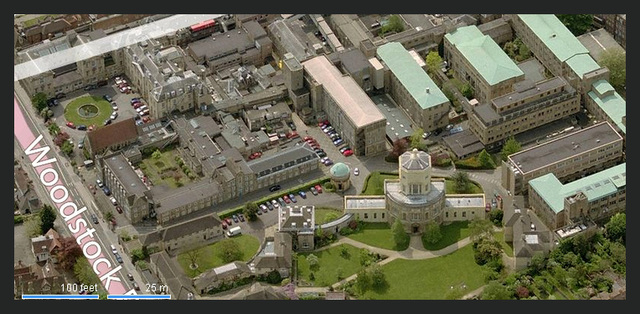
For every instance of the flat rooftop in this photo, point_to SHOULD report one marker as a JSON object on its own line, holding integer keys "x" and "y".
{"x": 109, "y": 43}
{"x": 484, "y": 55}
{"x": 463, "y": 201}
{"x": 364, "y": 202}
{"x": 599, "y": 41}
{"x": 421, "y": 87}
{"x": 348, "y": 95}
{"x": 595, "y": 186}
{"x": 565, "y": 147}
{"x": 398, "y": 123}
{"x": 394, "y": 190}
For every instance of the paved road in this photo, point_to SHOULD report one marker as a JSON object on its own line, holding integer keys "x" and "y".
{"x": 77, "y": 190}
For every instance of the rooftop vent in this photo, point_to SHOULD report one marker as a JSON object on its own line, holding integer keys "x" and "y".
{"x": 427, "y": 90}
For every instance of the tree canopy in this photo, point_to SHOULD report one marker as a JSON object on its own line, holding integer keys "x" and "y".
{"x": 251, "y": 211}
{"x": 511, "y": 146}
{"x": 39, "y": 101}
{"x": 400, "y": 236}
{"x": 393, "y": 24}
{"x": 616, "y": 61}
{"x": 229, "y": 251}
{"x": 616, "y": 228}
{"x": 433, "y": 61}
{"x": 47, "y": 217}
{"x": 578, "y": 24}
{"x": 461, "y": 181}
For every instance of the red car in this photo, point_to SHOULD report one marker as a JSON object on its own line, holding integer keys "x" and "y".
{"x": 292, "y": 134}
{"x": 119, "y": 209}
{"x": 286, "y": 199}
{"x": 71, "y": 125}
{"x": 347, "y": 153}
{"x": 318, "y": 188}
{"x": 137, "y": 105}
{"x": 146, "y": 119}
{"x": 224, "y": 225}
{"x": 306, "y": 138}
{"x": 228, "y": 221}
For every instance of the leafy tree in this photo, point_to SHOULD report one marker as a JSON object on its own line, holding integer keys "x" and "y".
{"x": 461, "y": 181}
{"x": 495, "y": 216}
{"x": 616, "y": 228}
{"x": 616, "y": 61}
{"x": 312, "y": 276}
{"x": 432, "y": 233}
{"x": 44, "y": 113}
{"x": 522, "y": 292}
{"x": 578, "y": 24}
{"x": 496, "y": 291}
{"x": 330, "y": 217}
{"x": 363, "y": 281}
{"x": 416, "y": 140}
{"x": 467, "y": 91}
{"x": 156, "y": 154}
{"x": 68, "y": 253}
{"x": 400, "y": 146}
{"x": 537, "y": 264}
{"x": 108, "y": 215}
{"x": 137, "y": 255}
{"x": 400, "y": 236}
{"x": 511, "y": 146}
{"x": 486, "y": 250}
{"x": 378, "y": 278}
{"x": 486, "y": 160}
{"x": 39, "y": 101}
{"x": 314, "y": 262}
{"x": 229, "y": 251}
{"x": 274, "y": 277}
{"x": 365, "y": 258}
{"x": 54, "y": 129}
{"x": 67, "y": 148}
{"x": 394, "y": 24}
{"x": 84, "y": 272}
{"x": 434, "y": 61}
{"x": 47, "y": 217}
{"x": 480, "y": 228}
{"x": 251, "y": 211}
{"x": 344, "y": 252}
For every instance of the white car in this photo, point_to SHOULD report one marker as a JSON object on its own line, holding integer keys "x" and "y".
{"x": 99, "y": 183}
{"x": 113, "y": 249}
{"x": 113, "y": 201}
{"x": 356, "y": 171}
{"x": 114, "y": 115}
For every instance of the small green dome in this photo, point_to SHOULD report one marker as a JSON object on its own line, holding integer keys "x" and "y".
{"x": 339, "y": 170}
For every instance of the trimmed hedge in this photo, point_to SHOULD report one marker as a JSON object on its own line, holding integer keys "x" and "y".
{"x": 366, "y": 181}
{"x": 471, "y": 163}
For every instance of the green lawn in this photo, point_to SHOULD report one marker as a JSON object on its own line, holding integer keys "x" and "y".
{"x": 429, "y": 279}
{"x": 322, "y": 212}
{"x": 155, "y": 169}
{"x": 375, "y": 183}
{"x": 507, "y": 247}
{"x": 35, "y": 21}
{"x": 104, "y": 111}
{"x": 450, "y": 188}
{"x": 330, "y": 263}
{"x": 208, "y": 257}
{"x": 378, "y": 235}
{"x": 451, "y": 234}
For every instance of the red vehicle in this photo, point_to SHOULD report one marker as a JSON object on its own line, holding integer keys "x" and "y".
{"x": 347, "y": 153}
{"x": 286, "y": 199}
{"x": 487, "y": 208}
{"x": 146, "y": 119}
{"x": 292, "y": 134}
{"x": 228, "y": 221}
{"x": 224, "y": 225}
{"x": 137, "y": 105}
{"x": 307, "y": 138}
{"x": 325, "y": 122}
{"x": 119, "y": 209}
{"x": 71, "y": 125}
{"x": 318, "y": 188}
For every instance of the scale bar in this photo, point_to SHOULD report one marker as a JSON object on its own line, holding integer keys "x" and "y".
{"x": 60, "y": 296}
{"x": 139, "y": 296}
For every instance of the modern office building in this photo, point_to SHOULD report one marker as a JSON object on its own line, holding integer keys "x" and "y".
{"x": 412, "y": 89}
{"x": 478, "y": 60}
{"x": 569, "y": 157}
{"x": 546, "y": 101}
{"x": 594, "y": 197}
{"x": 351, "y": 112}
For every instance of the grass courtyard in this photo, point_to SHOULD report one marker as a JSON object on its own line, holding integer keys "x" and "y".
{"x": 429, "y": 279}
{"x": 375, "y": 185}
{"x": 100, "y": 111}
{"x": 378, "y": 235}
{"x": 506, "y": 247}
{"x": 208, "y": 256}
{"x": 326, "y": 214}
{"x": 332, "y": 265}
{"x": 450, "y": 187}
{"x": 451, "y": 234}
{"x": 164, "y": 169}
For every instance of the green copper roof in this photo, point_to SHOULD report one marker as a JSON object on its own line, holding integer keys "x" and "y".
{"x": 554, "y": 35}
{"x": 339, "y": 170}
{"x": 411, "y": 75}
{"x": 595, "y": 186}
{"x": 491, "y": 62}
{"x": 582, "y": 64}
{"x": 611, "y": 103}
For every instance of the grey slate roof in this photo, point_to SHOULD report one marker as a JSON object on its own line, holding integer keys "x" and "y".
{"x": 196, "y": 225}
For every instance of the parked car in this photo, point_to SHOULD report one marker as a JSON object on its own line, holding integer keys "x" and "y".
{"x": 137, "y": 105}
{"x": 313, "y": 191}
{"x": 356, "y": 171}
{"x": 274, "y": 188}
{"x": 119, "y": 80}
{"x": 241, "y": 217}
{"x": 281, "y": 201}
{"x": 224, "y": 224}
{"x": 99, "y": 183}
{"x": 307, "y": 138}
{"x": 347, "y": 153}
{"x": 135, "y": 100}
{"x": 113, "y": 201}
{"x": 118, "y": 258}
{"x": 338, "y": 142}
{"x": 82, "y": 127}
{"x": 318, "y": 188}
{"x": 286, "y": 199}
{"x": 275, "y": 203}
{"x": 135, "y": 286}
{"x": 114, "y": 106}
{"x": 107, "y": 122}
{"x": 292, "y": 198}
{"x": 107, "y": 97}
{"x": 344, "y": 148}
{"x": 130, "y": 276}
{"x": 292, "y": 126}
{"x": 264, "y": 208}
{"x": 94, "y": 218}
{"x": 235, "y": 218}
{"x": 60, "y": 95}
{"x": 302, "y": 194}
{"x": 71, "y": 125}
{"x": 269, "y": 205}
{"x": 113, "y": 249}
{"x": 144, "y": 112}
{"x": 106, "y": 190}
{"x": 119, "y": 209}
{"x": 328, "y": 162}
{"x": 229, "y": 221}
{"x": 146, "y": 119}
{"x": 321, "y": 153}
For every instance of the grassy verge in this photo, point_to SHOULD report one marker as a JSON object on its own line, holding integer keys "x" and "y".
{"x": 164, "y": 170}
{"x": 324, "y": 214}
{"x": 374, "y": 183}
{"x": 451, "y": 234}
{"x": 208, "y": 256}
{"x": 333, "y": 266}
{"x": 378, "y": 235}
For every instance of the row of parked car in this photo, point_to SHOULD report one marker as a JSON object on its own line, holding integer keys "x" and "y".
{"x": 286, "y": 199}
{"x": 335, "y": 137}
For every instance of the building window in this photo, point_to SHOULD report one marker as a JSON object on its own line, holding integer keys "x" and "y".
{"x": 446, "y": 214}
{"x": 366, "y": 216}
{"x": 464, "y": 214}
{"x": 455, "y": 214}
{"x": 382, "y": 215}
{"x": 374, "y": 216}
